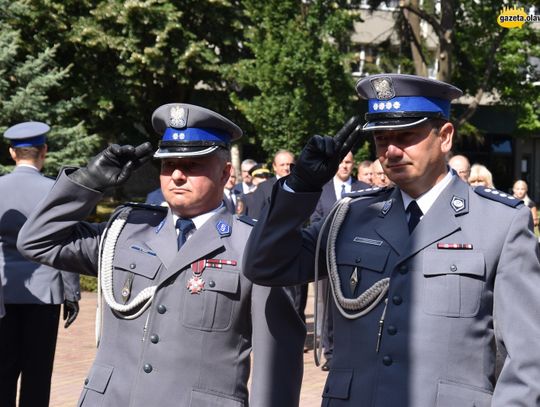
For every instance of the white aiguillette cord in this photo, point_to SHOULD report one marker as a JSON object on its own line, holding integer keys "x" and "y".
{"x": 105, "y": 275}
{"x": 365, "y": 302}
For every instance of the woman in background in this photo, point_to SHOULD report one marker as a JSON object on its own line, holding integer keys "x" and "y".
{"x": 480, "y": 176}
{"x": 520, "y": 190}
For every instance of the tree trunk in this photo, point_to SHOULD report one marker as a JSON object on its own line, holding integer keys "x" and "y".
{"x": 414, "y": 22}
{"x": 448, "y": 12}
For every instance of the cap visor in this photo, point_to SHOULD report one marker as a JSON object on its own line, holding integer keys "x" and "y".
{"x": 394, "y": 124}
{"x": 185, "y": 152}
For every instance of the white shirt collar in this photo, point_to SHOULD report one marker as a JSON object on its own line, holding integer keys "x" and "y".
{"x": 29, "y": 166}
{"x": 337, "y": 186}
{"x": 427, "y": 199}
{"x": 198, "y": 220}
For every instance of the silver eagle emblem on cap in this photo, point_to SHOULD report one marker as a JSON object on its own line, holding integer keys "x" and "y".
{"x": 383, "y": 87}
{"x": 177, "y": 117}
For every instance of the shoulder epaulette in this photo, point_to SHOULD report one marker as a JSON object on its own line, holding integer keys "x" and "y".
{"x": 367, "y": 192}
{"x": 499, "y": 196}
{"x": 152, "y": 207}
{"x": 247, "y": 219}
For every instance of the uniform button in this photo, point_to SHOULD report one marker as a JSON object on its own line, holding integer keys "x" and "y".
{"x": 403, "y": 269}
{"x": 453, "y": 267}
{"x": 397, "y": 300}
{"x": 148, "y": 367}
{"x": 132, "y": 266}
{"x": 326, "y": 389}
{"x": 358, "y": 260}
{"x": 211, "y": 283}
{"x": 392, "y": 330}
{"x": 162, "y": 309}
{"x": 387, "y": 360}
{"x": 154, "y": 338}
{"x": 86, "y": 381}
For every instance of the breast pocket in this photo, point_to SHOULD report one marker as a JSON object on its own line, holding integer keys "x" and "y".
{"x": 453, "y": 282}
{"x": 95, "y": 385}
{"x": 360, "y": 266}
{"x": 212, "y": 308}
{"x": 143, "y": 263}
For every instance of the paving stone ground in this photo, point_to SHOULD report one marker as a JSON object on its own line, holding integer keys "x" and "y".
{"x": 75, "y": 352}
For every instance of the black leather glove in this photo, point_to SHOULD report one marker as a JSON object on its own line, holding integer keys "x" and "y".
{"x": 113, "y": 166}
{"x": 320, "y": 158}
{"x": 71, "y": 310}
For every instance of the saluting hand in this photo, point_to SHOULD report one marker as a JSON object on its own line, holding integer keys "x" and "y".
{"x": 113, "y": 166}
{"x": 320, "y": 158}
{"x": 71, "y": 310}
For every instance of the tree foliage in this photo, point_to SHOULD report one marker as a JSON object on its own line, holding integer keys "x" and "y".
{"x": 296, "y": 82}
{"x": 30, "y": 82}
{"x": 478, "y": 55}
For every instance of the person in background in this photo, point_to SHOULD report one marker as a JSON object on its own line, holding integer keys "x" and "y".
{"x": 281, "y": 165}
{"x": 246, "y": 186}
{"x": 230, "y": 198}
{"x": 461, "y": 165}
{"x": 259, "y": 174}
{"x": 480, "y": 176}
{"x": 179, "y": 319}
{"x": 33, "y": 293}
{"x": 365, "y": 172}
{"x": 520, "y": 190}
{"x": 379, "y": 176}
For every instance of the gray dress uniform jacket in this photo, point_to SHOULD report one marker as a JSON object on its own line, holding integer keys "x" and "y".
{"x": 185, "y": 349}
{"x": 28, "y": 282}
{"x": 468, "y": 275}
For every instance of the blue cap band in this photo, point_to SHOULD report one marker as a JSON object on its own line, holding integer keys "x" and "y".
{"x": 410, "y": 104}
{"x": 29, "y": 142}
{"x": 194, "y": 134}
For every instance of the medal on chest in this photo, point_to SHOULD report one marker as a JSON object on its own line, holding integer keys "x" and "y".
{"x": 196, "y": 283}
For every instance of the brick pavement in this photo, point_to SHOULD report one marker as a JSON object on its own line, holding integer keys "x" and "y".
{"x": 75, "y": 352}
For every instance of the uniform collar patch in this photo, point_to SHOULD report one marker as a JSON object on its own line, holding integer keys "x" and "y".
{"x": 223, "y": 228}
{"x": 458, "y": 204}
{"x": 386, "y": 207}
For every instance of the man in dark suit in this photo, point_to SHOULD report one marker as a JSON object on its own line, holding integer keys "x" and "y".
{"x": 33, "y": 292}
{"x": 335, "y": 189}
{"x": 246, "y": 185}
{"x": 230, "y": 196}
{"x": 282, "y": 167}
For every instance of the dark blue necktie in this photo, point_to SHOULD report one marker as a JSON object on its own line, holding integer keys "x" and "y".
{"x": 343, "y": 192}
{"x": 415, "y": 214}
{"x": 184, "y": 227}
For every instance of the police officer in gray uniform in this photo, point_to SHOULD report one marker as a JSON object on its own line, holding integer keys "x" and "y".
{"x": 426, "y": 277}
{"x": 33, "y": 293}
{"x": 178, "y": 318}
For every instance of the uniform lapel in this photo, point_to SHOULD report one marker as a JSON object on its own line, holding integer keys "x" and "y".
{"x": 163, "y": 240}
{"x": 393, "y": 226}
{"x": 440, "y": 220}
{"x": 204, "y": 241}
